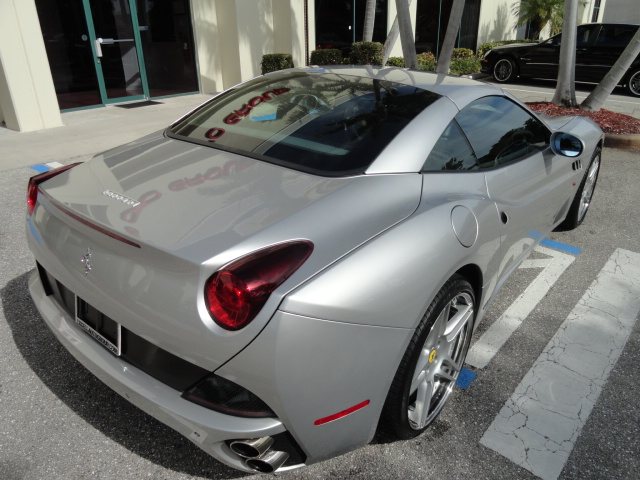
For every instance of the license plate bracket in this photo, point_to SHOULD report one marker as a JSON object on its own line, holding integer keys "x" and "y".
{"x": 106, "y": 331}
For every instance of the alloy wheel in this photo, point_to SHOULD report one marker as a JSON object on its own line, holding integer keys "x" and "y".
{"x": 589, "y": 186}
{"x": 634, "y": 84}
{"x": 503, "y": 70}
{"x": 440, "y": 361}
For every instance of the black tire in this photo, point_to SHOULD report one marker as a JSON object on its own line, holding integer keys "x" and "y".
{"x": 575, "y": 216}
{"x": 504, "y": 70}
{"x": 395, "y": 419}
{"x": 633, "y": 83}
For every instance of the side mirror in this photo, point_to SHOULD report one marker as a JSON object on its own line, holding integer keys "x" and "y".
{"x": 566, "y": 145}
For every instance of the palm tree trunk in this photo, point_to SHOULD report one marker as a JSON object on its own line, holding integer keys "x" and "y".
{"x": 455, "y": 17}
{"x": 599, "y": 95}
{"x": 369, "y": 20}
{"x": 392, "y": 36}
{"x": 406, "y": 34}
{"x": 566, "y": 87}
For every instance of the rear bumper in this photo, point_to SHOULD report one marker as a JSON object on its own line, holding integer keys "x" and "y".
{"x": 208, "y": 429}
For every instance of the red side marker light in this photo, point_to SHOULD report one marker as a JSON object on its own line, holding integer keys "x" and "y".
{"x": 343, "y": 413}
{"x": 36, "y": 180}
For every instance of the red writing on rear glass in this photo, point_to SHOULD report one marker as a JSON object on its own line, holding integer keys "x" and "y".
{"x": 237, "y": 115}
{"x": 214, "y": 134}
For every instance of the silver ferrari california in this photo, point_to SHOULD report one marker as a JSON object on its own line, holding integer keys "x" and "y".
{"x": 305, "y": 256}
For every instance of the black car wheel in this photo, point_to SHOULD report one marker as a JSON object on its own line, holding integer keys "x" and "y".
{"x": 433, "y": 360}
{"x": 584, "y": 195}
{"x": 504, "y": 70}
{"x": 633, "y": 85}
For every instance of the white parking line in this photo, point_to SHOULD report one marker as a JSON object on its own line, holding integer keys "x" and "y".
{"x": 481, "y": 352}
{"x": 539, "y": 425}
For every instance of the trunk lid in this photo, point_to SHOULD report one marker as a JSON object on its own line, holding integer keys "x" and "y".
{"x": 192, "y": 209}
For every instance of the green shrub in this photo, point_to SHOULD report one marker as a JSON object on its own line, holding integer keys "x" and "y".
{"x": 462, "y": 53}
{"x": 395, "y": 62}
{"x": 464, "y": 66}
{"x": 272, "y": 62}
{"x": 366, "y": 53}
{"x": 486, "y": 46}
{"x": 427, "y": 62}
{"x": 326, "y": 56}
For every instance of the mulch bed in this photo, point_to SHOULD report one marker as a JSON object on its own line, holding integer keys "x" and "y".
{"x": 610, "y": 122}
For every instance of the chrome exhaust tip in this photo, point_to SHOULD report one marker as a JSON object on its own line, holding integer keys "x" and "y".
{"x": 269, "y": 462}
{"x": 251, "y": 448}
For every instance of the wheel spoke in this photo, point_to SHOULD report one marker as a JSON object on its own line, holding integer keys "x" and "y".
{"x": 444, "y": 375}
{"x": 423, "y": 402}
{"x": 450, "y": 362}
{"x": 457, "y": 323}
{"x": 420, "y": 371}
{"x": 441, "y": 322}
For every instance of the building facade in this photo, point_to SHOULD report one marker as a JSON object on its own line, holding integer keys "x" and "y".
{"x": 60, "y": 55}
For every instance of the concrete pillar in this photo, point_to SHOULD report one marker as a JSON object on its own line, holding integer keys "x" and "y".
{"x": 27, "y": 95}
{"x": 255, "y": 34}
{"x": 392, "y": 12}
{"x": 233, "y": 35}
{"x": 206, "y": 26}
{"x": 288, "y": 29}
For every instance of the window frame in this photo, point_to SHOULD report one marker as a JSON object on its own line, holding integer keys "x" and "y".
{"x": 464, "y": 135}
{"x": 499, "y": 166}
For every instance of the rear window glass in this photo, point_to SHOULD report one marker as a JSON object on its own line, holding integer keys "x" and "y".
{"x": 323, "y": 123}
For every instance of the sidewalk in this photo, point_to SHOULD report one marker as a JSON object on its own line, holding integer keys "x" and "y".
{"x": 543, "y": 92}
{"x": 87, "y": 132}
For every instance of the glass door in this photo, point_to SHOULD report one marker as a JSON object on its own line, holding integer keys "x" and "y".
{"x": 66, "y": 39}
{"x": 116, "y": 48}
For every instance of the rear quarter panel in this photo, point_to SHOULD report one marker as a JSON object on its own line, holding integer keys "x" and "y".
{"x": 391, "y": 280}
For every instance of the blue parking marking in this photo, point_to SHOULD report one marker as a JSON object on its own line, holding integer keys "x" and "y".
{"x": 562, "y": 247}
{"x": 553, "y": 244}
{"x": 465, "y": 378}
{"x": 40, "y": 168}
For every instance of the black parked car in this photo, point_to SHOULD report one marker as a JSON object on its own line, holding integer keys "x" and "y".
{"x": 598, "y": 47}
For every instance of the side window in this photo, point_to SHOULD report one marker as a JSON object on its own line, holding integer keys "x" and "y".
{"x": 501, "y": 131}
{"x": 451, "y": 152}
{"x": 615, "y": 35}
{"x": 586, "y": 35}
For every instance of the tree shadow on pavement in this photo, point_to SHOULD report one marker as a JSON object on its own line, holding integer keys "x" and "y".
{"x": 96, "y": 403}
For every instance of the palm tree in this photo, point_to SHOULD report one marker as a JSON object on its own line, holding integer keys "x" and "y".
{"x": 455, "y": 17}
{"x": 406, "y": 34}
{"x": 597, "y": 97}
{"x": 539, "y": 13}
{"x": 369, "y": 20}
{"x": 392, "y": 36}
{"x": 566, "y": 87}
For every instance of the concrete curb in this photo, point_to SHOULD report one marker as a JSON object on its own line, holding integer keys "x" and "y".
{"x": 628, "y": 142}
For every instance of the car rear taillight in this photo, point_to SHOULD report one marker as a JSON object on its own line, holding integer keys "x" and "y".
{"x": 36, "y": 180}
{"x": 236, "y": 293}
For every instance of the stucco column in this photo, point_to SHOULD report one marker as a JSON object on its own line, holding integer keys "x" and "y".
{"x": 206, "y": 30}
{"x": 27, "y": 95}
{"x": 392, "y": 12}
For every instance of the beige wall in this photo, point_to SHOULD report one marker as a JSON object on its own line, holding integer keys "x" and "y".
{"x": 206, "y": 23}
{"x": 497, "y": 21}
{"x": 27, "y": 96}
{"x": 396, "y": 50}
{"x": 233, "y": 35}
{"x": 621, "y": 11}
